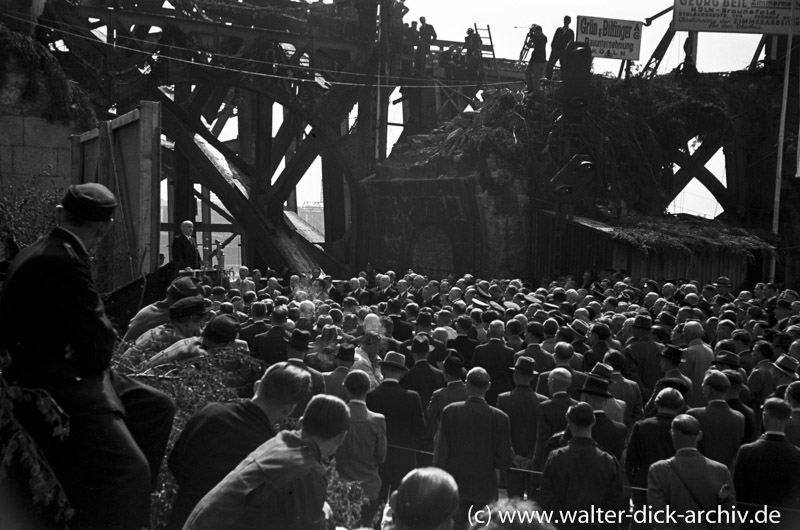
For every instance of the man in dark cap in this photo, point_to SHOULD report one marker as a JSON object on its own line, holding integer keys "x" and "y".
{"x": 334, "y": 381}
{"x": 186, "y": 318}
{"x": 184, "y": 247}
{"x": 473, "y": 442}
{"x": 454, "y": 391}
{"x": 521, "y": 405}
{"x": 282, "y": 484}
{"x": 221, "y": 435}
{"x": 110, "y": 459}
{"x": 157, "y": 313}
{"x": 581, "y": 476}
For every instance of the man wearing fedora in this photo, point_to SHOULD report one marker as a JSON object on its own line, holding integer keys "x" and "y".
{"x": 334, "y": 381}
{"x": 610, "y": 435}
{"x": 472, "y": 443}
{"x": 734, "y": 401}
{"x": 784, "y": 372}
{"x": 364, "y": 448}
{"x": 521, "y": 405}
{"x": 581, "y": 476}
{"x": 296, "y": 350}
{"x": 405, "y": 422}
{"x": 423, "y": 379}
{"x": 723, "y": 428}
{"x": 642, "y": 355}
{"x": 496, "y": 358}
{"x": 454, "y": 391}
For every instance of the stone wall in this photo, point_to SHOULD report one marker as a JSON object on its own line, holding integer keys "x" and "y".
{"x": 33, "y": 148}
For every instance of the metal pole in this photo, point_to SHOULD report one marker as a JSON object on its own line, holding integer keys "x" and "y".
{"x": 781, "y": 134}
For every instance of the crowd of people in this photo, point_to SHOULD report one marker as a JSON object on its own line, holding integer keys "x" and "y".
{"x": 440, "y": 395}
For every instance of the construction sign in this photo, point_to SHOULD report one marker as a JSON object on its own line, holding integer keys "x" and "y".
{"x": 610, "y": 38}
{"x": 773, "y": 17}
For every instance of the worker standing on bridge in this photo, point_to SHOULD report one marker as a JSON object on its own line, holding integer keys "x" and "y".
{"x": 538, "y": 63}
{"x": 426, "y": 37}
{"x": 563, "y": 36}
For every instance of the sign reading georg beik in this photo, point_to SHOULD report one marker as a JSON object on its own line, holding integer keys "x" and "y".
{"x": 773, "y": 17}
{"x": 610, "y": 38}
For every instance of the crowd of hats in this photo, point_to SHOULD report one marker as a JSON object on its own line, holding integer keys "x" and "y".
{"x": 568, "y": 306}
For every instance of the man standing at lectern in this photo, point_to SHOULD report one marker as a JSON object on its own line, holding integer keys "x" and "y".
{"x": 184, "y": 247}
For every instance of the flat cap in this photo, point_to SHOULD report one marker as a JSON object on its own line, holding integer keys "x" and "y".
{"x": 90, "y": 202}
{"x": 187, "y": 307}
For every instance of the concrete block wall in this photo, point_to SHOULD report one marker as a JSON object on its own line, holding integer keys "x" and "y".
{"x": 33, "y": 149}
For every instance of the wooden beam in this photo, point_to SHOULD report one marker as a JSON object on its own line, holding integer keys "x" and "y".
{"x": 305, "y": 154}
{"x": 208, "y": 202}
{"x": 149, "y": 184}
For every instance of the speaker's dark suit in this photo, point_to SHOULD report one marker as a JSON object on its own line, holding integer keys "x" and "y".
{"x": 185, "y": 249}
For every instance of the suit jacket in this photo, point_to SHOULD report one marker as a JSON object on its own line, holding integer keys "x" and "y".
{"x": 629, "y": 392}
{"x": 405, "y": 427}
{"x": 581, "y": 476}
{"x": 578, "y": 379}
{"x": 384, "y": 295}
{"x": 760, "y": 383}
{"x": 465, "y": 346}
{"x": 594, "y": 355}
{"x": 699, "y": 357}
{"x": 363, "y": 449}
{"x": 270, "y": 346}
{"x": 362, "y": 296}
{"x": 544, "y": 362}
{"x": 643, "y": 364}
{"x": 423, "y": 379}
{"x": 474, "y": 439}
{"x": 793, "y": 428}
{"x": 750, "y": 427}
{"x": 248, "y": 333}
{"x": 767, "y": 471}
{"x": 551, "y": 419}
{"x": 521, "y": 405}
{"x": 334, "y": 380}
{"x": 53, "y": 277}
{"x": 453, "y": 392}
{"x": 496, "y": 358}
{"x": 723, "y": 431}
{"x": 705, "y": 476}
{"x": 610, "y": 435}
{"x": 650, "y": 442}
{"x": 185, "y": 249}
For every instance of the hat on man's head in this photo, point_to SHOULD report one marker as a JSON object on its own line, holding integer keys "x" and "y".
{"x": 424, "y": 319}
{"x": 395, "y": 360}
{"x": 580, "y": 327}
{"x": 393, "y": 306}
{"x": 727, "y": 359}
{"x": 602, "y": 370}
{"x": 673, "y": 353}
{"x": 480, "y": 304}
{"x": 782, "y": 340}
{"x": 540, "y": 315}
{"x": 221, "y": 329}
{"x": 453, "y": 362}
{"x": 788, "y": 365}
{"x": 299, "y": 339}
{"x": 186, "y": 307}
{"x": 723, "y": 280}
{"x": 482, "y": 290}
{"x": 497, "y": 307}
{"x": 90, "y": 202}
{"x": 513, "y": 306}
{"x": 183, "y": 287}
{"x": 596, "y": 385}
{"x": 346, "y": 353}
{"x": 525, "y": 365}
{"x": 643, "y": 322}
{"x": 666, "y": 319}
{"x": 421, "y": 344}
{"x": 783, "y": 304}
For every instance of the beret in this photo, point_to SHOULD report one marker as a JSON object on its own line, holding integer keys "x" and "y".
{"x": 90, "y": 202}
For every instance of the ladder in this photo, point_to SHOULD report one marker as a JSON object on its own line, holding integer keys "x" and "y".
{"x": 487, "y": 51}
